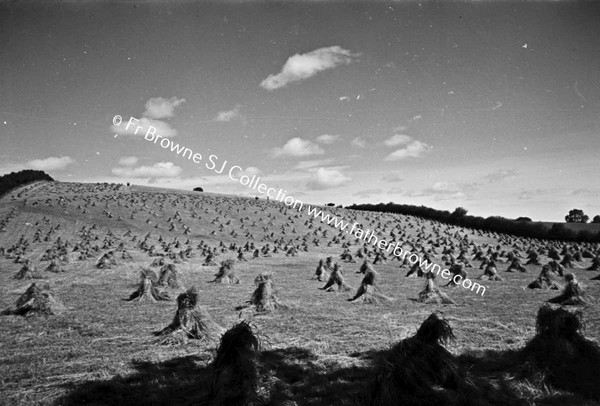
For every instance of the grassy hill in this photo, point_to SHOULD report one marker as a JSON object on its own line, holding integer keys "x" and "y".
{"x": 318, "y": 350}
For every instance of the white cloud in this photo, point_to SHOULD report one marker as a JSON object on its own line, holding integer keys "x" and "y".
{"x": 524, "y": 196}
{"x": 395, "y": 191}
{"x": 397, "y": 139}
{"x": 228, "y": 115}
{"x": 414, "y": 149}
{"x": 252, "y": 170}
{"x": 392, "y": 178}
{"x": 159, "y": 107}
{"x": 312, "y": 163}
{"x": 51, "y": 163}
{"x": 161, "y": 128}
{"x": 327, "y": 138}
{"x": 448, "y": 191}
{"x": 297, "y": 147}
{"x": 367, "y": 193}
{"x": 249, "y": 171}
{"x": 156, "y": 108}
{"x": 499, "y": 175}
{"x": 359, "y": 142}
{"x": 158, "y": 170}
{"x": 327, "y": 179}
{"x": 446, "y": 187}
{"x": 128, "y": 161}
{"x": 302, "y": 66}
{"x": 584, "y": 192}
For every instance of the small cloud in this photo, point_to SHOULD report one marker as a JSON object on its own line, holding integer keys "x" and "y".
{"x": 359, "y": 142}
{"x": 416, "y": 118}
{"x": 158, "y": 170}
{"x": 446, "y": 187}
{"x": 128, "y": 161}
{"x": 144, "y": 126}
{"x": 392, "y": 178}
{"x": 159, "y": 107}
{"x": 51, "y": 163}
{"x": 395, "y": 191}
{"x": 327, "y": 138}
{"x": 583, "y": 192}
{"x": 249, "y": 171}
{"x": 312, "y": 163}
{"x": 400, "y": 128}
{"x": 327, "y": 179}
{"x": 397, "y": 139}
{"x": 344, "y": 98}
{"x": 414, "y": 149}
{"x": 298, "y": 147}
{"x": 524, "y": 196}
{"x": 156, "y": 108}
{"x": 499, "y": 175}
{"x": 367, "y": 193}
{"x": 300, "y": 67}
{"x": 447, "y": 191}
{"x": 252, "y": 170}
{"x": 228, "y": 115}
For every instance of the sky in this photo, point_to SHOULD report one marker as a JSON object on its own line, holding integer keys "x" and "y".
{"x": 488, "y": 105}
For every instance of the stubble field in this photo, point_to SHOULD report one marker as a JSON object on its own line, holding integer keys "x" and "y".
{"x": 317, "y": 350}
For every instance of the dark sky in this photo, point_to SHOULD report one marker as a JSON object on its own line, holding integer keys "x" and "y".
{"x": 493, "y": 106}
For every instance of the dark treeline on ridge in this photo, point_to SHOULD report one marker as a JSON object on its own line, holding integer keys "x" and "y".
{"x": 496, "y": 224}
{"x": 15, "y": 179}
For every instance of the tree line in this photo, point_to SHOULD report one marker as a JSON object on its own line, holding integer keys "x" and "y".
{"x": 15, "y": 179}
{"x": 522, "y": 227}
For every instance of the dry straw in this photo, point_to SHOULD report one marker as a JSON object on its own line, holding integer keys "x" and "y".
{"x": 191, "y": 321}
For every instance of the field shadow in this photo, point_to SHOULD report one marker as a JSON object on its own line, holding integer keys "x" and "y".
{"x": 289, "y": 374}
{"x": 299, "y": 375}
{"x": 307, "y": 379}
{"x": 176, "y": 381}
{"x": 515, "y": 372}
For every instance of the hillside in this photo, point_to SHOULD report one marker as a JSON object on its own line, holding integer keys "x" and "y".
{"x": 319, "y": 349}
{"x": 591, "y": 227}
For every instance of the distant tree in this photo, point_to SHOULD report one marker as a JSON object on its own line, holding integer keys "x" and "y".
{"x": 596, "y": 219}
{"x": 14, "y": 180}
{"x": 576, "y": 216}
{"x": 496, "y": 224}
{"x": 524, "y": 219}
{"x": 330, "y": 204}
{"x": 459, "y": 212}
{"x": 198, "y": 189}
{"x": 339, "y": 206}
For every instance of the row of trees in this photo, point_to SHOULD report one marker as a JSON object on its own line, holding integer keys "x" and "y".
{"x": 578, "y": 216}
{"x": 15, "y": 179}
{"x": 522, "y": 227}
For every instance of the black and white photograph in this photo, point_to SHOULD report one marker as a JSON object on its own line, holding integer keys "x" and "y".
{"x": 300, "y": 202}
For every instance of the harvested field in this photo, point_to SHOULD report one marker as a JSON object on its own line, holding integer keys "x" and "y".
{"x": 320, "y": 348}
